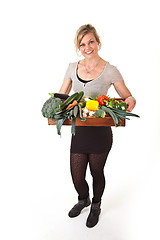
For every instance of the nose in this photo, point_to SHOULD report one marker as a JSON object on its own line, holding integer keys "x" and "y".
{"x": 87, "y": 46}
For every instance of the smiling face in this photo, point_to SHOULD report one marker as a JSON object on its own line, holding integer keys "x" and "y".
{"x": 89, "y": 46}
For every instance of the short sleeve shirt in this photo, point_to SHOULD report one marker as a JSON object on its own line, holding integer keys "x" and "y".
{"x": 99, "y": 85}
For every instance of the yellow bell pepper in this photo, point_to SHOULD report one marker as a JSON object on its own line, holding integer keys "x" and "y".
{"x": 92, "y": 105}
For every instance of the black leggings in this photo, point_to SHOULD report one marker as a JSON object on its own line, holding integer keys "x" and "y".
{"x": 78, "y": 163}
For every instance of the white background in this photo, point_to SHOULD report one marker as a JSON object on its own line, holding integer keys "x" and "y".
{"x": 36, "y": 46}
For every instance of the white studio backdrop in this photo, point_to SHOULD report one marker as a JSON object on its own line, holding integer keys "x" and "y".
{"x": 36, "y": 46}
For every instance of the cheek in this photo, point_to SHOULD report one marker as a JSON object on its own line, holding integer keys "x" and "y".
{"x": 81, "y": 49}
{"x": 96, "y": 46}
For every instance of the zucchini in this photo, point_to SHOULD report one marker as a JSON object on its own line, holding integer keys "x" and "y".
{"x": 79, "y": 97}
{"x": 82, "y": 103}
{"x": 71, "y": 114}
{"x": 80, "y": 113}
{"x": 64, "y": 112}
{"x": 69, "y": 100}
{"x": 75, "y": 111}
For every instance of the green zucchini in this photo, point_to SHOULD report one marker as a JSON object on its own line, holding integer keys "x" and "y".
{"x": 70, "y": 114}
{"x": 69, "y": 100}
{"x": 80, "y": 113}
{"x": 75, "y": 111}
{"x": 64, "y": 112}
{"x": 79, "y": 96}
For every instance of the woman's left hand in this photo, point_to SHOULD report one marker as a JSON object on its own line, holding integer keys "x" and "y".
{"x": 131, "y": 102}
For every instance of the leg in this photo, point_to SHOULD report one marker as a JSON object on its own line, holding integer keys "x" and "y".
{"x": 78, "y": 171}
{"x": 97, "y": 163}
{"x": 78, "y": 164}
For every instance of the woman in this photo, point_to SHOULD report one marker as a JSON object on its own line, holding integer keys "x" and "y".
{"x": 91, "y": 145}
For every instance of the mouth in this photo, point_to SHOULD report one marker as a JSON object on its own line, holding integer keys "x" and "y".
{"x": 89, "y": 52}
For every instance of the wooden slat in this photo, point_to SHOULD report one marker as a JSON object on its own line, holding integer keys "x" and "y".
{"x": 90, "y": 121}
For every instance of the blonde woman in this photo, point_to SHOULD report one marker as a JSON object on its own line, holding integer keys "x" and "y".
{"x": 91, "y": 145}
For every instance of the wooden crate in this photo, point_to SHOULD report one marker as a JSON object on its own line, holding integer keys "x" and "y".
{"x": 90, "y": 121}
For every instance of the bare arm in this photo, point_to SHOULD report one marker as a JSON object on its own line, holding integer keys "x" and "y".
{"x": 66, "y": 86}
{"x": 124, "y": 92}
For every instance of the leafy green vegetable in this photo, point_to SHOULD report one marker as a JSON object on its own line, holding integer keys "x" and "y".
{"x": 118, "y": 114}
{"x": 51, "y": 94}
{"x": 59, "y": 125}
{"x": 73, "y": 126}
{"x": 112, "y": 114}
{"x": 100, "y": 113}
{"x": 111, "y": 103}
{"x": 51, "y": 106}
{"x": 71, "y": 114}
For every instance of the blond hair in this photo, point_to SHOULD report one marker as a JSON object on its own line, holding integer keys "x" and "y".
{"x": 82, "y": 31}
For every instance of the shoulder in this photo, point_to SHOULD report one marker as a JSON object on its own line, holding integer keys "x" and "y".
{"x": 70, "y": 72}
{"x": 111, "y": 67}
{"x": 72, "y": 65}
{"x": 114, "y": 73}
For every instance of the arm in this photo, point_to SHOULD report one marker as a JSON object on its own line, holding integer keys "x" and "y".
{"x": 124, "y": 92}
{"x": 66, "y": 86}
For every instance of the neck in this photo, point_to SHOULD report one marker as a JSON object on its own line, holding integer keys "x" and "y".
{"x": 92, "y": 61}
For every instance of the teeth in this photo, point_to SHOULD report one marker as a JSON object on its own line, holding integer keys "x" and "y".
{"x": 89, "y": 52}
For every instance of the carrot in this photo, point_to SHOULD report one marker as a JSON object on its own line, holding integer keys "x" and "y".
{"x": 72, "y": 104}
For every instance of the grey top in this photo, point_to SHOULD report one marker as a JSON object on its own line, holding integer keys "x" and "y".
{"x": 99, "y": 85}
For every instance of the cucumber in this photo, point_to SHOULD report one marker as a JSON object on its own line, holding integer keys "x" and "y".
{"x": 64, "y": 112}
{"x": 75, "y": 111}
{"x": 69, "y": 100}
{"x": 80, "y": 113}
{"x": 79, "y": 97}
{"x": 82, "y": 103}
{"x": 71, "y": 114}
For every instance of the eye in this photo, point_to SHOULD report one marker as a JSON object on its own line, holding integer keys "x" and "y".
{"x": 91, "y": 42}
{"x": 82, "y": 45}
